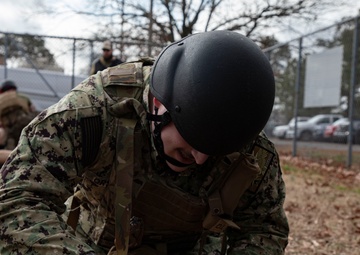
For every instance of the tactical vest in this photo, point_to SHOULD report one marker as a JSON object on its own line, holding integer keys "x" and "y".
{"x": 152, "y": 211}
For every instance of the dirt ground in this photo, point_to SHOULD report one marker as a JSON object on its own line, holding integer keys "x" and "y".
{"x": 322, "y": 205}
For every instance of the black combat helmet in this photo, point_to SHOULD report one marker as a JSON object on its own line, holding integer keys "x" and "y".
{"x": 218, "y": 88}
{"x": 7, "y": 85}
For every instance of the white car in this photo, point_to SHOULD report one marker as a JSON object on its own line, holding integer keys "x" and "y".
{"x": 280, "y": 131}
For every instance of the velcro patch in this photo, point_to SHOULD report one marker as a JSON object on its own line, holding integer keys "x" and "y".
{"x": 126, "y": 74}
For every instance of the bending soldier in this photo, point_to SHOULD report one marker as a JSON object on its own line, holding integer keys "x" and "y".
{"x": 16, "y": 111}
{"x": 164, "y": 157}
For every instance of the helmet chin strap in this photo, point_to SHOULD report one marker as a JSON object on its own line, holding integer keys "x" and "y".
{"x": 161, "y": 121}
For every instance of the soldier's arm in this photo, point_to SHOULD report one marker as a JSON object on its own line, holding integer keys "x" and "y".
{"x": 38, "y": 177}
{"x": 92, "y": 68}
{"x": 260, "y": 214}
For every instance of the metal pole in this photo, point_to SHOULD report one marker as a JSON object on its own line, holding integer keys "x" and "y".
{"x": 297, "y": 88}
{"x": 150, "y": 27}
{"x": 352, "y": 90}
{"x": 6, "y": 44}
{"x": 73, "y": 65}
{"x": 92, "y": 55}
{"x": 122, "y": 30}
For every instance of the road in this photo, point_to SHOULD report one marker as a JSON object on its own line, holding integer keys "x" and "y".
{"x": 315, "y": 144}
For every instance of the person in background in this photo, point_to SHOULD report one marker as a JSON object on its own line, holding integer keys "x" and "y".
{"x": 106, "y": 60}
{"x": 8, "y": 86}
{"x": 16, "y": 111}
{"x": 153, "y": 157}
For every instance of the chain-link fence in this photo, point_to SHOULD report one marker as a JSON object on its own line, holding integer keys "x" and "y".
{"x": 46, "y": 68}
{"x": 318, "y": 92}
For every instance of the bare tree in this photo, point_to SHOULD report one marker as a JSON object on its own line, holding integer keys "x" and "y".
{"x": 158, "y": 22}
{"x": 26, "y": 50}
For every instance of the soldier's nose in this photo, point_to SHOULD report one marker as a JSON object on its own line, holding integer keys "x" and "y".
{"x": 199, "y": 157}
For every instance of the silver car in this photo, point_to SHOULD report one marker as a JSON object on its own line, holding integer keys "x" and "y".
{"x": 280, "y": 131}
{"x": 305, "y": 130}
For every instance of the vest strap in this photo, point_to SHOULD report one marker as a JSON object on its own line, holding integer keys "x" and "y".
{"x": 223, "y": 202}
{"x": 123, "y": 187}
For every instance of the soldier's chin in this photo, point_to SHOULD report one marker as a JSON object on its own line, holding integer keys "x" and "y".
{"x": 177, "y": 169}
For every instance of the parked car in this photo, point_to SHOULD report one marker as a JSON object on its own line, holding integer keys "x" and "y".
{"x": 325, "y": 132}
{"x": 318, "y": 133}
{"x": 328, "y": 134}
{"x": 280, "y": 131}
{"x": 269, "y": 127}
{"x": 341, "y": 133}
{"x": 306, "y": 129}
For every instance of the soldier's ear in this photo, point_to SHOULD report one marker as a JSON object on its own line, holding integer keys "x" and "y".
{"x": 156, "y": 102}
{"x": 159, "y": 108}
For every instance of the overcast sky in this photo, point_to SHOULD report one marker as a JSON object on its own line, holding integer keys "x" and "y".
{"x": 15, "y": 17}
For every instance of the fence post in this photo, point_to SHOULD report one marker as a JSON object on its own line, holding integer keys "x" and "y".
{"x": 297, "y": 88}
{"x": 73, "y": 65}
{"x": 352, "y": 89}
{"x": 6, "y": 44}
{"x": 92, "y": 55}
{"x": 150, "y": 27}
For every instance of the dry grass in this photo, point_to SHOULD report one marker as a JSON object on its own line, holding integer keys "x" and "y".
{"x": 322, "y": 205}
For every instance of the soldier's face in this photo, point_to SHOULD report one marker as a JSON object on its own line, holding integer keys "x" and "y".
{"x": 176, "y": 147}
{"x": 107, "y": 53}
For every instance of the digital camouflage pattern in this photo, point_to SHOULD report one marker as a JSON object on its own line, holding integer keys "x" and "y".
{"x": 54, "y": 159}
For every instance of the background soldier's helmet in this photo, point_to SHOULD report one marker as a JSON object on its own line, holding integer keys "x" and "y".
{"x": 7, "y": 85}
{"x": 218, "y": 88}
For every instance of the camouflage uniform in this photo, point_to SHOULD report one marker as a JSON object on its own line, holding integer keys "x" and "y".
{"x": 81, "y": 145}
{"x": 16, "y": 111}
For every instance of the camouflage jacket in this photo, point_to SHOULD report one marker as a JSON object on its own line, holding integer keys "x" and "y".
{"x": 61, "y": 152}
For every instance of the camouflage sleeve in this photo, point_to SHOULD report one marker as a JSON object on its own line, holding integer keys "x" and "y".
{"x": 260, "y": 214}
{"x": 38, "y": 177}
